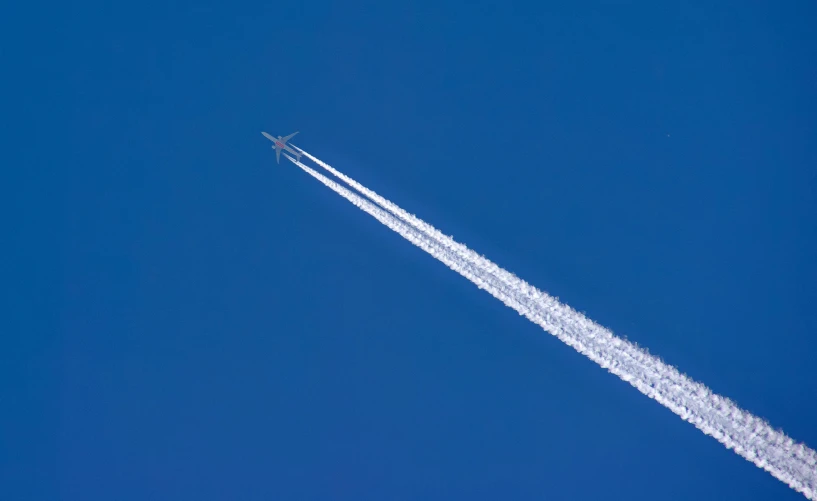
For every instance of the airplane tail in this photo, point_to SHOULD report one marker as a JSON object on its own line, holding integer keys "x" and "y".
{"x": 298, "y": 152}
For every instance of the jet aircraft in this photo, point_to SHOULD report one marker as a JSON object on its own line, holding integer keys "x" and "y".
{"x": 280, "y": 143}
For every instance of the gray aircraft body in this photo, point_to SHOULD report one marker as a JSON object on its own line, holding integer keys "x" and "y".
{"x": 280, "y": 143}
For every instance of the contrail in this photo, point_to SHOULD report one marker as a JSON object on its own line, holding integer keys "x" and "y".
{"x": 422, "y": 241}
{"x": 750, "y": 436}
{"x": 414, "y": 236}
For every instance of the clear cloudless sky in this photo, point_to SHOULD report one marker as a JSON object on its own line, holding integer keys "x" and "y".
{"x": 186, "y": 319}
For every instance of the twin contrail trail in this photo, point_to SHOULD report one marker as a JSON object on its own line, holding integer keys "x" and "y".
{"x": 749, "y": 436}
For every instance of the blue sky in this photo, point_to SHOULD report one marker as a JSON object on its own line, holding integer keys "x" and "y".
{"x": 190, "y": 320}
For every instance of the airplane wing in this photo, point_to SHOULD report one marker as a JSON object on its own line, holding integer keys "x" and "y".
{"x": 287, "y": 138}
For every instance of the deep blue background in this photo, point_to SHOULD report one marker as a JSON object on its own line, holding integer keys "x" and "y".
{"x": 190, "y": 320}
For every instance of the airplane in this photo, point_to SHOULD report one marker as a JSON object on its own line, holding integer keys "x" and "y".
{"x": 280, "y": 143}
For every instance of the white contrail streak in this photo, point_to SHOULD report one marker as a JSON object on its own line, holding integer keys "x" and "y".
{"x": 414, "y": 236}
{"x": 750, "y": 436}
